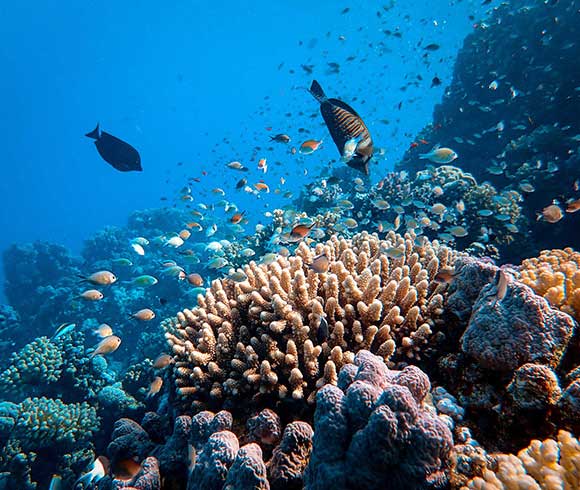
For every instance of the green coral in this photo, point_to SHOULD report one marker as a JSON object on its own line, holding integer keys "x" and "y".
{"x": 40, "y": 424}
{"x": 38, "y": 363}
{"x": 45, "y": 422}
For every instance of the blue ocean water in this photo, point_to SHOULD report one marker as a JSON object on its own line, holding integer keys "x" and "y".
{"x": 176, "y": 80}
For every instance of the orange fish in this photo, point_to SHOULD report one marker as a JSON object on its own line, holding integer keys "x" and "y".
{"x": 310, "y": 146}
{"x": 218, "y": 191}
{"x": 263, "y": 165}
{"x": 100, "y": 278}
{"x": 551, "y": 214}
{"x": 155, "y": 386}
{"x": 423, "y": 142}
{"x": 573, "y": 206}
{"x": 184, "y": 234}
{"x": 293, "y": 151}
{"x": 126, "y": 469}
{"x": 103, "y": 331}
{"x": 162, "y": 361}
{"x": 300, "y": 231}
{"x": 144, "y": 315}
{"x": 106, "y": 346}
{"x": 320, "y": 264}
{"x": 414, "y": 144}
{"x": 195, "y": 280}
{"x": 262, "y": 186}
{"x": 91, "y": 295}
{"x": 236, "y": 218}
{"x": 445, "y": 275}
{"x": 187, "y": 197}
{"x": 194, "y": 224}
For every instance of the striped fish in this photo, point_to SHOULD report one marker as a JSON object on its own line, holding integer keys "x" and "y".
{"x": 345, "y": 127}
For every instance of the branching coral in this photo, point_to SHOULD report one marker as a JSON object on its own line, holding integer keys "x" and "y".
{"x": 551, "y": 464}
{"x": 555, "y": 275}
{"x": 287, "y": 330}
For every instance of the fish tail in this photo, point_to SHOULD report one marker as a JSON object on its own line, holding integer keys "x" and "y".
{"x": 424, "y": 156}
{"x": 317, "y": 92}
{"x": 95, "y": 133}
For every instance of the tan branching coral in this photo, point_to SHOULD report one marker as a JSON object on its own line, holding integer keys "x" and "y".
{"x": 551, "y": 464}
{"x": 287, "y": 330}
{"x": 555, "y": 275}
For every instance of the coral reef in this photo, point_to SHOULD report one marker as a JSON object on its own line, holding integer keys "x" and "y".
{"x": 217, "y": 458}
{"x": 555, "y": 275}
{"x": 37, "y": 427}
{"x": 287, "y": 330}
{"x": 510, "y": 114}
{"x": 543, "y": 464}
{"x": 515, "y": 328}
{"x": 373, "y": 432}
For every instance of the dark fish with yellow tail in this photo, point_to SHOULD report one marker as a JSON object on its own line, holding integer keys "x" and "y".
{"x": 116, "y": 152}
{"x": 349, "y": 132}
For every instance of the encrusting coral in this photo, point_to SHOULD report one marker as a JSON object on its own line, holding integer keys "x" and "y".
{"x": 555, "y": 275}
{"x": 288, "y": 329}
{"x": 551, "y": 464}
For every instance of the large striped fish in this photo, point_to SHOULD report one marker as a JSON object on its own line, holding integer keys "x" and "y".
{"x": 350, "y": 135}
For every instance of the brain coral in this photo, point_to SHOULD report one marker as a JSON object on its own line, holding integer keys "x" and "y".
{"x": 551, "y": 464}
{"x": 287, "y": 330}
{"x": 555, "y": 275}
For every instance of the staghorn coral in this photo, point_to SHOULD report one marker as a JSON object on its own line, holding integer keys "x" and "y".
{"x": 555, "y": 275}
{"x": 551, "y": 464}
{"x": 288, "y": 330}
{"x": 376, "y": 433}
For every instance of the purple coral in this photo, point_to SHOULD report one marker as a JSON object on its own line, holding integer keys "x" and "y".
{"x": 521, "y": 327}
{"x": 471, "y": 275}
{"x": 214, "y": 461}
{"x": 375, "y": 433}
{"x": 248, "y": 470}
{"x": 290, "y": 458}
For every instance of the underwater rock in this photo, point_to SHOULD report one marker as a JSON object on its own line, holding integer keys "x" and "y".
{"x": 522, "y": 327}
{"x": 401, "y": 446}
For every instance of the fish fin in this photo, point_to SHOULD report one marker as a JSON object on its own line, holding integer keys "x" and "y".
{"x": 95, "y": 133}
{"x": 317, "y": 92}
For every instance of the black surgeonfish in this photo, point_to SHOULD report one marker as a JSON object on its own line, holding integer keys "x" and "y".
{"x": 116, "y": 152}
{"x": 349, "y": 132}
